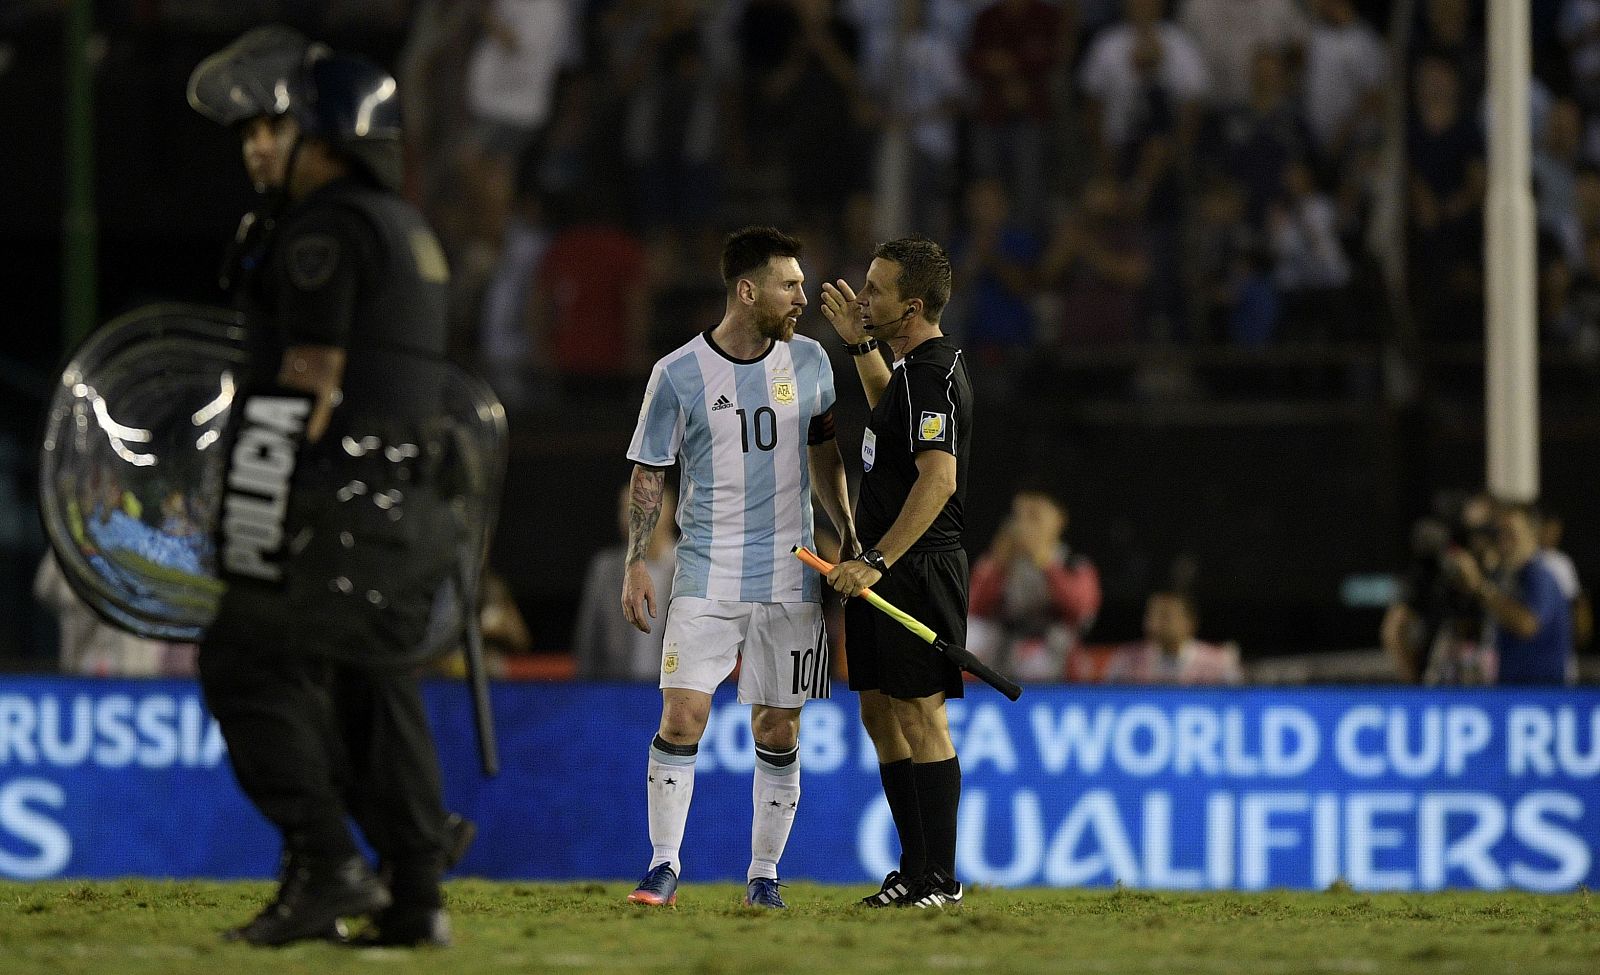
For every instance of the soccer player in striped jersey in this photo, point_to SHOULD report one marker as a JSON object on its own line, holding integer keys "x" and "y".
{"x": 746, "y": 411}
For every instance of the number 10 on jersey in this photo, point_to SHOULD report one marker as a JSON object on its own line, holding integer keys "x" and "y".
{"x": 765, "y": 422}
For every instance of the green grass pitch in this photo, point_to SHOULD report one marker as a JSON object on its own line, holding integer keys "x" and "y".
{"x": 138, "y": 927}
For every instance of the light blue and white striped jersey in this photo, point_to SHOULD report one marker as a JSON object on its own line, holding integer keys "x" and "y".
{"x": 740, "y": 430}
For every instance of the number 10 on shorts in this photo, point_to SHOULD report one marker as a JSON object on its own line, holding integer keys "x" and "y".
{"x": 810, "y": 676}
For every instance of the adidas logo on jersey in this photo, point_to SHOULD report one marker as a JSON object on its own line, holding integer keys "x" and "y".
{"x": 722, "y": 403}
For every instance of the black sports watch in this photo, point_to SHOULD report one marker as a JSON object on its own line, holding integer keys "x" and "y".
{"x": 874, "y": 558}
{"x": 870, "y": 345}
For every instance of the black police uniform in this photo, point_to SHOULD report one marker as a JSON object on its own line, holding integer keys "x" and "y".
{"x": 927, "y": 406}
{"x": 316, "y": 726}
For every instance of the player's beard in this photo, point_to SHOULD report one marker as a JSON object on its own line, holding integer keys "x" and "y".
{"x": 779, "y": 328}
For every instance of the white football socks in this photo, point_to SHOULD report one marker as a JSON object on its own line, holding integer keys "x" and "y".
{"x": 669, "y": 788}
{"x": 776, "y": 794}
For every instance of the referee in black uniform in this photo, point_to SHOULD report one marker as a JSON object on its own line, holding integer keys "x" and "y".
{"x": 345, "y": 287}
{"x": 915, "y": 454}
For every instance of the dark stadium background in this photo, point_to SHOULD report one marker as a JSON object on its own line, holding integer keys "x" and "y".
{"x": 1284, "y": 472}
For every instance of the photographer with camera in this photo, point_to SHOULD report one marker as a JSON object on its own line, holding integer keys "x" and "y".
{"x": 1434, "y": 631}
{"x": 1530, "y": 619}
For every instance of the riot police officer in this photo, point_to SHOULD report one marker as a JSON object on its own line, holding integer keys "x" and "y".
{"x": 329, "y": 545}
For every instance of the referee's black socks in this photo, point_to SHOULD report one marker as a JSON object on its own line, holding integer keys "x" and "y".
{"x": 900, "y": 788}
{"x": 938, "y": 787}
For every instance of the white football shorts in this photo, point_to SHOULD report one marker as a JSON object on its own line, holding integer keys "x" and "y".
{"x": 781, "y": 647}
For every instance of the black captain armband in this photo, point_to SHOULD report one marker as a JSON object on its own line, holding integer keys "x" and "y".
{"x": 821, "y": 429}
{"x": 870, "y": 345}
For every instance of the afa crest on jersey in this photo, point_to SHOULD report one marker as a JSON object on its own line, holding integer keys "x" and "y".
{"x": 669, "y": 661}
{"x": 783, "y": 391}
{"x": 932, "y": 427}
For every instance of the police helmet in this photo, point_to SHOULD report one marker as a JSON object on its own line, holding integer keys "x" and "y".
{"x": 346, "y": 101}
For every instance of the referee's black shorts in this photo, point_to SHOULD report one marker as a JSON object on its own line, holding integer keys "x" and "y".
{"x": 885, "y": 656}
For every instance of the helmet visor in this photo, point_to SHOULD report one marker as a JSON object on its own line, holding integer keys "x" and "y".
{"x": 250, "y": 77}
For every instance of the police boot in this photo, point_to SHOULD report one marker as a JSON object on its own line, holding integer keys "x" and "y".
{"x": 415, "y": 917}
{"x": 404, "y": 926}
{"x": 315, "y": 892}
{"x": 459, "y": 832}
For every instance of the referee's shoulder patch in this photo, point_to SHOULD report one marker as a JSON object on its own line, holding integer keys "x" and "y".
{"x": 932, "y": 426}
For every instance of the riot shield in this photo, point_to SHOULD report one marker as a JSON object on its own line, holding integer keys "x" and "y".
{"x": 157, "y": 487}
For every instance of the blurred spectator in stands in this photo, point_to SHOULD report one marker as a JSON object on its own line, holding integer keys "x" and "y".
{"x": 767, "y": 32}
{"x": 1587, "y": 195}
{"x": 1256, "y": 141}
{"x": 604, "y": 644}
{"x": 820, "y": 96}
{"x": 670, "y": 99}
{"x": 1312, "y": 269}
{"x": 1014, "y": 53}
{"x": 1231, "y": 34}
{"x": 1562, "y": 567}
{"x": 1446, "y": 154}
{"x": 1558, "y": 313}
{"x": 952, "y": 19}
{"x": 1032, "y": 596}
{"x": 1170, "y": 652}
{"x": 505, "y": 352}
{"x": 858, "y": 237}
{"x": 917, "y": 79}
{"x": 511, "y": 96}
{"x": 1098, "y": 263}
{"x": 1344, "y": 74}
{"x": 1576, "y": 324}
{"x": 1234, "y": 267}
{"x": 91, "y": 647}
{"x": 1555, "y": 178}
{"x": 589, "y": 313}
{"x": 432, "y": 77}
{"x": 1530, "y": 618}
{"x": 1156, "y": 107}
{"x": 1580, "y": 32}
{"x": 996, "y": 266}
{"x": 1445, "y": 29}
{"x": 1139, "y": 65}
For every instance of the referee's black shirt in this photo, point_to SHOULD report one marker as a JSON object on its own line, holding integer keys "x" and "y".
{"x": 927, "y": 406}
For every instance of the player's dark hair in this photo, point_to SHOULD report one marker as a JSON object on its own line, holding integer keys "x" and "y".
{"x": 748, "y": 249}
{"x": 924, "y": 272}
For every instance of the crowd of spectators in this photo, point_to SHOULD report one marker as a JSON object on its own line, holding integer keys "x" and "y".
{"x": 1106, "y": 173}
{"x": 1204, "y": 173}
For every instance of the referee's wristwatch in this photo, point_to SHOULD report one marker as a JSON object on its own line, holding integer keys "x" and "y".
{"x": 874, "y": 558}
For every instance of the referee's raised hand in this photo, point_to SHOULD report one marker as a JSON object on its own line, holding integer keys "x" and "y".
{"x": 840, "y": 309}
